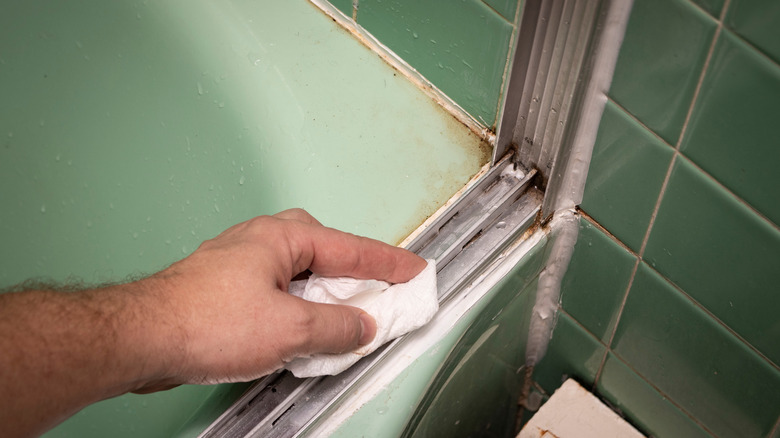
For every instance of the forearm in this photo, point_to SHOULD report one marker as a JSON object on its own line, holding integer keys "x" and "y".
{"x": 60, "y": 351}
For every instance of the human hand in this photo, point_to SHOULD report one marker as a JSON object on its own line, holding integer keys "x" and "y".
{"x": 223, "y": 314}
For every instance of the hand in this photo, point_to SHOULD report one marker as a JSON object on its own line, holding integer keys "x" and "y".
{"x": 222, "y": 314}
{"x": 228, "y": 316}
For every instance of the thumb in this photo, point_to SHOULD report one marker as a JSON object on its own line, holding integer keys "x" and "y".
{"x": 338, "y": 328}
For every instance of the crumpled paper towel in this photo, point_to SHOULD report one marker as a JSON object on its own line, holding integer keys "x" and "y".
{"x": 398, "y": 309}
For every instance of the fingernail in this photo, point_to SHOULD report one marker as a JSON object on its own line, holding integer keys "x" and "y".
{"x": 368, "y": 329}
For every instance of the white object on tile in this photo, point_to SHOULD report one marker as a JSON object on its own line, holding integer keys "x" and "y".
{"x": 573, "y": 412}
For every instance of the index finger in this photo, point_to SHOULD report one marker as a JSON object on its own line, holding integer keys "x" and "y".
{"x": 332, "y": 253}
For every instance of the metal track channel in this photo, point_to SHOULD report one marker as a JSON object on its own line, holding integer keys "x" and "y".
{"x": 464, "y": 240}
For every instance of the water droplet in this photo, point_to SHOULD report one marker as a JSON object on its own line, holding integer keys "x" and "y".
{"x": 58, "y": 157}
{"x": 89, "y": 224}
{"x": 167, "y": 241}
{"x": 501, "y": 225}
{"x": 241, "y": 180}
{"x": 184, "y": 250}
{"x": 135, "y": 235}
{"x": 10, "y": 134}
{"x": 221, "y": 105}
{"x": 216, "y": 208}
{"x": 42, "y": 122}
{"x": 43, "y": 209}
{"x": 200, "y": 93}
{"x": 414, "y": 34}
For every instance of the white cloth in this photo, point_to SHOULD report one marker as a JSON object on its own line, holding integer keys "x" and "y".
{"x": 398, "y": 309}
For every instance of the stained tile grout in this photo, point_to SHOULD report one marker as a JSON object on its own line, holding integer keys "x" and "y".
{"x": 484, "y": 3}
{"x": 601, "y": 228}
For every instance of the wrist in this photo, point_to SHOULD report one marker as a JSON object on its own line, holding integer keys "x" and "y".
{"x": 150, "y": 342}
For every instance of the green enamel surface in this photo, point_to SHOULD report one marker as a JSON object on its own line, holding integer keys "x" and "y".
{"x": 572, "y": 353}
{"x": 593, "y": 286}
{"x": 430, "y": 395}
{"x": 696, "y": 361}
{"x": 660, "y": 61}
{"x": 506, "y": 8}
{"x": 729, "y": 265}
{"x": 713, "y": 7}
{"x": 627, "y": 168}
{"x": 463, "y": 51}
{"x": 699, "y": 340}
{"x": 131, "y": 132}
{"x": 756, "y": 21}
{"x": 645, "y": 407}
{"x": 737, "y": 105}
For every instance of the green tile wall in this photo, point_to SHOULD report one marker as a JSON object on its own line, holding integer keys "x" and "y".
{"x": 675, "y": 273}
{"x": 462, "y": 46}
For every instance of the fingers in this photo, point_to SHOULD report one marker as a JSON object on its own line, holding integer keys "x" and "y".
{"x": 331, "y": 252}
{"x": 331, "y": 328}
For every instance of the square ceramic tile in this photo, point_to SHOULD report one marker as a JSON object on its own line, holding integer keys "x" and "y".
{"x": 695, "y": 361}
{"x": 596, "y": 280}
{"x": 660, "y": 61}
{"x": 506, "y": 8}
{"x": 461, "y": 47}
{"x": 649, "y": 410}
{"x": 733, "y": 131}
{"x": 756, "y": 21}
{"x": 713, "y": 7}
{"x": 626, "y": 172}
{"x": 573, "y": 352}
{"x": 722, "y": 254}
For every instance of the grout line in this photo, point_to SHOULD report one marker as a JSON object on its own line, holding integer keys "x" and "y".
{"x": 601, "y": 228}
{"x": 731, "y": 193}
{"x": 688, "y": 115}
{"x": 716, "y": 319}
{"x": 688, "y": 159}
{"x": 484, "y": 3}
{"x": 704, "y": 69}
{"x": 617, "y": 322}
{"x": 513, "y": 43}
{"x": 657, "y": 206}
{"x": 563, "y": 311}
{"x": 665, "y": 396}
{"x": 639, "y": 122}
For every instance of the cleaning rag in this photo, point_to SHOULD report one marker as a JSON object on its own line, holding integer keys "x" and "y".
{"x": 398, "y": 309}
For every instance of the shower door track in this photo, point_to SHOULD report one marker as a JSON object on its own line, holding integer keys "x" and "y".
{"x": 500, "y": 209}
